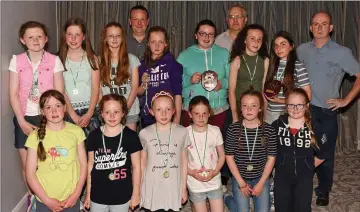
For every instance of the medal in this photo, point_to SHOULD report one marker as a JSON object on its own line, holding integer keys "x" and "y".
{"x": 250, "y": 167}
{"x": 166, "y": 173}
{"x": 75, "y": 91}
{"x": 252, "y": 76}
{"x": 111, "y": 176}
{"x": 203, "y": 172}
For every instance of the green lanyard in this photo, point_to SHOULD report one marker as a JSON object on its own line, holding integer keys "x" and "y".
{"x": 197, "y": 150}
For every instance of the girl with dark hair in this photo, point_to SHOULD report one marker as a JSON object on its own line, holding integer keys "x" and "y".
{"x": 114, "y": 160}
{"x": 56, "y": 159}
{"x": 82, "y": 77}
{"x": 158, "y": 71}
{"x": 119, "y": 70}
{"x": 297, "y": 156}
{"x": 249, "y": 64}
{"x": 285, "y": 68}
{"x": 250, "y": 154}
{"x": 205, "y": 56}
{"x": 31, "y": 73}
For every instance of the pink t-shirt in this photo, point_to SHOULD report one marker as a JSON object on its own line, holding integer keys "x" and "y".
{"x": 196, "y": 157}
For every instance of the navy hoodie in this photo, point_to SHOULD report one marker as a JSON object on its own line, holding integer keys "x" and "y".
{"x": 165, "y": 75}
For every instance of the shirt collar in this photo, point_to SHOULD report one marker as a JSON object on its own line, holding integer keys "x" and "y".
{"x": 326, "y": 45}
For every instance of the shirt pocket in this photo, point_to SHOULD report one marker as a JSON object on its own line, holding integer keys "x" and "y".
{"x": 333, "y": 69}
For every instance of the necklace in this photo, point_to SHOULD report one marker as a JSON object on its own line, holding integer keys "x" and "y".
{"x": 34, "y": 94}
{"x": 112, "y": 175}
{"x": 252, "y": 76}
{"x": 166, "y": 161}
{"x": 75, "y": 91}
{"x": 203, "y": 172}
{"x": 250, "y": 167}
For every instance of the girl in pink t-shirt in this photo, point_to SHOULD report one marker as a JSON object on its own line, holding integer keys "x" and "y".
{"x": 206, "y": 157}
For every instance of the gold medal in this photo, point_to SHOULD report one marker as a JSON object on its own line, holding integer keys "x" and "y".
{"x": 204, "y": 173}
{"x": 111, "y": 176}
{"x": 166, "y": 174}
{"x": 250, "y": 167}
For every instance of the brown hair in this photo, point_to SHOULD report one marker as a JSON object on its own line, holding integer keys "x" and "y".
{"x": 240, "y": 6}
{"x": 115, "y": 97}
{"x": 41, "y": 132}
{"x": 122, "y": 73}
{"x": 86, "y": 45}
{"x": 301, "y": 92}
{"x": 162, "y": 94}
{"x": 32, "y": 24}
{"x": 147, "y": 55}
{"x": 258, "y": 95}
{"x": 290, "y": 64}
{"x": 197, "y": 100}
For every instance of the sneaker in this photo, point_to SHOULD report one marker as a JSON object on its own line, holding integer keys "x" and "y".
{"x": 224, "y": 189}
{"x": 31, "y": 204}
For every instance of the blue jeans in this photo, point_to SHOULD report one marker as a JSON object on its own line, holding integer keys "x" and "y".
{"x": 240, "y": 203}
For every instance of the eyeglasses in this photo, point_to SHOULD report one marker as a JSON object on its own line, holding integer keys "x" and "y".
{"x": 298, "y": 106}
{"x": 236, "y": 16}
{"x": 204, "y": 34}
{"x": 112, "y": 37}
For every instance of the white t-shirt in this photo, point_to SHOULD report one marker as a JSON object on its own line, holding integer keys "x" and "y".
{"x": 33, "y": 108}
{"x": 196, "y": 153}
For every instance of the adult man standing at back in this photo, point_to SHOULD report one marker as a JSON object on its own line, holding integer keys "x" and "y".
{"x": 236, "y": 20}
{"x": 136, "y": 40}
{"x": 327, "y": 62}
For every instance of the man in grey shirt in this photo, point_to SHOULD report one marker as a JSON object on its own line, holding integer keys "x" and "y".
{"x": 136, "y": 40}
{"x": 236, "y": 20}
{"x": 326, "y": 62}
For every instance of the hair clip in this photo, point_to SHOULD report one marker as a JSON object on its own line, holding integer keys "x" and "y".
{"x": 160, "y": 94}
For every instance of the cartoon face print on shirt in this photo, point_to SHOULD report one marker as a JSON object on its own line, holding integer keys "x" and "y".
{"x": 58, "y": 155}
{"x": 158, "y": 75}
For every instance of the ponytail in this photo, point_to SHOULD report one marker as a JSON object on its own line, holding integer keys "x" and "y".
{"x": 308, "y": 125}
{"x": 41, "y": 135}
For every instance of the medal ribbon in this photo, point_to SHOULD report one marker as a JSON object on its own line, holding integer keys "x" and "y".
{"x": 253, "y": 75}
{"x": 247, "y": 142}
{"x": 203, "y": 161}
{"x": 78, "y": 70}
{"x": 118, "y": 149}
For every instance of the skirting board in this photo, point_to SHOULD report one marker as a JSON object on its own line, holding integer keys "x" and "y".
{"x": 21, "y": 206}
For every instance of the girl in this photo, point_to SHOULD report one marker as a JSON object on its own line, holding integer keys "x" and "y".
{"x": 119, "y": 70}
{"x": 159, "y": 71}
{"x": 164, "y": 158}
{"x": 31, "y": 73}
{"x": 206, "y": 157}
{"x": 114, "y": 162}
{"x": 285, "y": 68}
{"x": 295, "y": 160}
{"x": 201, "y": 57}
{"x": 249, "y": 64}
{"x": 56, "y": 159}
{"x": 82, "y": 79}
{"x": 250, "y": 154}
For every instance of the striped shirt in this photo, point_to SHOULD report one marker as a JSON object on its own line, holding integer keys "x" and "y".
{"x": 238, "y": 148}
{"x": 301, "y": 79}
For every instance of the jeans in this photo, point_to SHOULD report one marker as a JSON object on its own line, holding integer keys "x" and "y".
{"x": 240, "y": 203}
{"x": 325, "y": 126}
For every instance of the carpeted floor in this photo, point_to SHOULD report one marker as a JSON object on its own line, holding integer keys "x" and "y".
{"x": 345, "y": 195}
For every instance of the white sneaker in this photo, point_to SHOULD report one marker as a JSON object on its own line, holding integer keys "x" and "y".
{"x": 224, "y": 189}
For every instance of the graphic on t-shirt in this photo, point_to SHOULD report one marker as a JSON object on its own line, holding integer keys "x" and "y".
{"x": 58, "y": 154}
{"x": 109, "y": 160}
{"x": 167, "y": 153}
{"x": 158, "y": 76}
{"x": 119, "y": 90}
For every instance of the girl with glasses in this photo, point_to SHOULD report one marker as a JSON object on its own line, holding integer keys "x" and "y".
{"x": 297, "y": 155}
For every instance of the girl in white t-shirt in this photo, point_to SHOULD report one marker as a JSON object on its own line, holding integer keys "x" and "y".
{"x": 206, "y": 157}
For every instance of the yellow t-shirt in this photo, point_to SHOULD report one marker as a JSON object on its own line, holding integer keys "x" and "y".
{"x": 60, "y": 172}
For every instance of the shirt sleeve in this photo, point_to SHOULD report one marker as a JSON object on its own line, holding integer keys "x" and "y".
{"x": 80, "y": 135}
{"x": 32, "y": 141}
{"x": 143, "y": 140}
{"x": 133, "y": 61}
{"x": 135, "y": 144}
{"x": 348, "y": 62}
{"x": 230, "y": 140}
{"x": 225, "y": 80}
{"x": 219, "y": 138}
{"x": 185, "y": 78}
{"x": 12, "y": 65}
{"x": 176, "y": 78}
{"x": 272, "y": 141}
{"x": 302, "y": 75}
{"x": 59, "y": 67}
{"x": 90, "y": 141}
{"x": 186, "y": 138}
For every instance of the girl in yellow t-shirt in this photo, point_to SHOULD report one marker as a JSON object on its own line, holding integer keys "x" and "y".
{"x": 56, "y": 160}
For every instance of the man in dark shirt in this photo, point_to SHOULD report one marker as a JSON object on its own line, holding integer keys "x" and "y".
{"x": 136, "y": 40}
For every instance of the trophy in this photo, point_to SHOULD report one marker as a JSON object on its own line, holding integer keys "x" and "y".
{"x": 209, "y": 80}
{"x": 272, "y": 88}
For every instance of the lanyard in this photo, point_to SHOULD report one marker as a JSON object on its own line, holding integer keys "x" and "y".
{"x": 253, "y": 75}
{"x": 78, "y": 70}
{"x": 36, "y": 70}
{"x": 161, "y": 152}
{"x": 118, "y": 149}
{"x": 247, "y": 142}
{"x": 203, "y": 160}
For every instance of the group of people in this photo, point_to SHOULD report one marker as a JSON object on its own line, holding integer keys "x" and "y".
{"x": 159, "y": 129}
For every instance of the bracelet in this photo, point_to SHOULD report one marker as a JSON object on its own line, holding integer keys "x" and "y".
{"x": 243, "y": 186}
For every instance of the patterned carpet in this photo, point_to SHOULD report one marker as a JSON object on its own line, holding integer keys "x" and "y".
{"x": 345, "y": 195}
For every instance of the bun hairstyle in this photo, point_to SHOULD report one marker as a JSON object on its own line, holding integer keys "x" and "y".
{"x": 41, "y": 132}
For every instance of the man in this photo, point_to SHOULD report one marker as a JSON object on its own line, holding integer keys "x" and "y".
{"x": 327, "y": 62}
{"x": 136, "y": 41}
{"x": 236, "y": 20}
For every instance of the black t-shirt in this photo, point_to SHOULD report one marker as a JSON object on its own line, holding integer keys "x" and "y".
{"x": 119, "y": 190}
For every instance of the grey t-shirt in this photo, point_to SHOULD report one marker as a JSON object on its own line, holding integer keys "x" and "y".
{"x": 124, "y": 89}
{"x": 136, "y": 48}
{"x": 326, "y": 67}
{"x": 158, "y": 192}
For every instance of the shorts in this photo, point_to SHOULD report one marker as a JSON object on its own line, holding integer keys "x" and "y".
{"x": 95, "y": 207}
{"x": 41, "y": 207}
{"x": 20, "y": 136}
{"x": 198, "y": 197}
{"x": 132, "y": 119}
